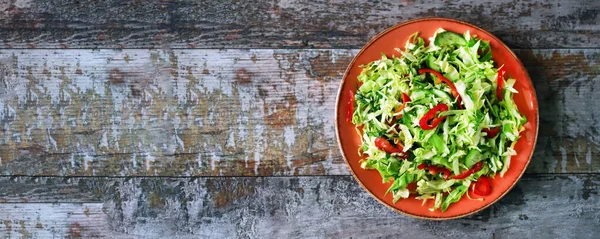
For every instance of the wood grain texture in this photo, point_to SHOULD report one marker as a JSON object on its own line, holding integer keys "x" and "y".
{"x": 55, "y": 221}
{"x": 281, "y": 24}
{"x": 199, "y": 112}
{"x": 547, "y": 206}
{"x": 232, "y": 112}
{"x": 252, "y": 110}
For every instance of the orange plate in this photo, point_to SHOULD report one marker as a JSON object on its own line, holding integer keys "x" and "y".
{"x": 395, "y": 37}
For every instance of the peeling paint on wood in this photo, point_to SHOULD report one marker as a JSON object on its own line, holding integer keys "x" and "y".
{"x": 231, "y": 112}
{"x": 296, "y": 207}
{"x": 69, "y": 111}
{"x": 566, "y": 83}
{"x": 55, "y": 220}
{"x": 199, "y": 112}
{"x": 240, "y": 24}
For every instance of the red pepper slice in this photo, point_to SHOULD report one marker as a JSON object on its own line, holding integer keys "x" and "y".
{"x": 437, "y": 74}
{"x": 402, "y": 155}
{"x": 411, "y": 187}
{"x": 430, "y": 116}
{"x": 482, "y": 187}
{"x": 400, "y": 146}
{"x": 468, "y": 173}
{"x": 501, "y": 73}
{"x": 440, "y": 77}
{"x": 446, "y": 172}
{"x": 385, "y": 145}
{"x": 477, "y": 167}
{"x": 491, "y": 133}
{"x": 405, "y": 100}
{"x": 350, "y": 107}
{"x": 434, "y": 170}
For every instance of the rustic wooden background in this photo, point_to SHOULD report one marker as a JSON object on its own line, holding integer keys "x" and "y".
{"x": 179, "y": 118}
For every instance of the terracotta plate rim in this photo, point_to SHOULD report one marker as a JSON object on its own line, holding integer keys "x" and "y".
{"x": 381, "y": 34}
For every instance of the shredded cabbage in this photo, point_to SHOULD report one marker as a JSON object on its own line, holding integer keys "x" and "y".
{"x": 456, "y": 143}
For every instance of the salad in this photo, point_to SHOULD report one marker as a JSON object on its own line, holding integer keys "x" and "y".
{"x": 439, "y": 121}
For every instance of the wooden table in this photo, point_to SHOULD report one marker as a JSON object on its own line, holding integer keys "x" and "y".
{"x": 178, "y": 119}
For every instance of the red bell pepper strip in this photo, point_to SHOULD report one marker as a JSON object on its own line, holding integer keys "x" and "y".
{"x": 440, "y": 77}
{"x": 459, "y": 102}
{"x": 482, "y": 187}
{"x": 400, "y": 146}
{"x": 412, "y": 187}
{"x": 446, "y": 172}
{"x": 501, "y": 73}
{"x": 350, "y": 107}
{"x": 385, "y": 145}
{"x": 468, "y": 173}
{"x": 430, "y": 116}
{"x": 434, "y": 170}
{"x": 405, "y": 100}
{"x": 437, "y": 74}
{"x": 491, "y": 133}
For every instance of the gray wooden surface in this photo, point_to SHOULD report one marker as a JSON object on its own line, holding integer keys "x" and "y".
{"x": 281, "y": 24}
{"x": 179, "y": 119}
{"x": 540, "y": 206}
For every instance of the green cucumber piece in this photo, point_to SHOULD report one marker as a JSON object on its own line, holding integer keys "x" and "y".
{"x": 449, "y": 38}
{"x": 442, "y": 94}
{"x": 431, "y": 63}
{"x": 473, "y": 157}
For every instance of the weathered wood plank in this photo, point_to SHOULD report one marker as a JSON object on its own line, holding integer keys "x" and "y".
{"x": 232, "y": 112}
{"x": 569, "y": 120}
{"x": 300, "y": 24}
{"x": 45, "y": 220}
{"x": 87, "y": 220}
{"x": 291, "y": 207}
{"x": 199, "y": 112}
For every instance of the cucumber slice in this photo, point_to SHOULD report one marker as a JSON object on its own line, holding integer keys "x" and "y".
{"x": 448, "y": 39}
{"x": 431, "y": 63}
{"x": 443, "y": 95}
{"x": 473, "y": 157}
